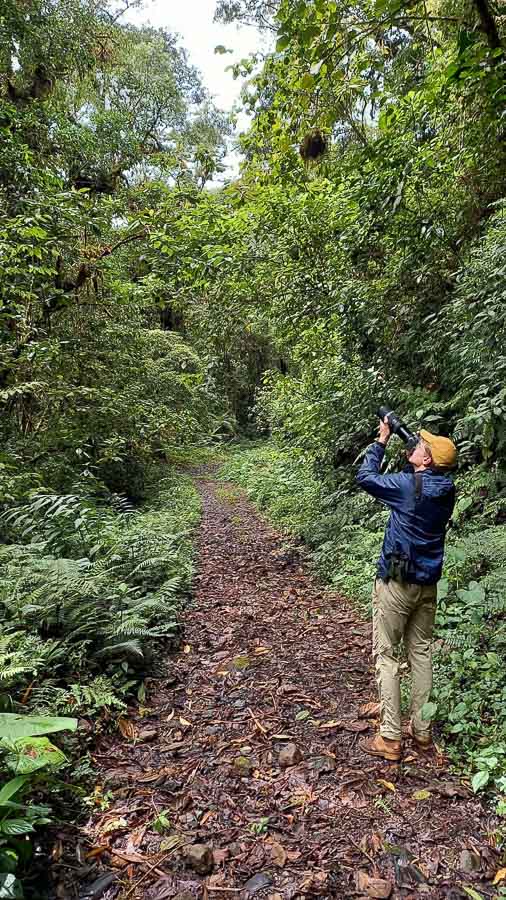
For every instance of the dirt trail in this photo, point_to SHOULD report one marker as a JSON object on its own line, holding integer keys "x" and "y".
{"x": 270, "y": 660}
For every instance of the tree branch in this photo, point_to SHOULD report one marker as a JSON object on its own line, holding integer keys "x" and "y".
{"x": 127, "y": 240}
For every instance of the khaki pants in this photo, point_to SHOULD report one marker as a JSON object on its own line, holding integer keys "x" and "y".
{"x": 402, "y": 611}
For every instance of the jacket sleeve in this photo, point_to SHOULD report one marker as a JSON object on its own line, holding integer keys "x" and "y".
{"x": 387, "y": 488}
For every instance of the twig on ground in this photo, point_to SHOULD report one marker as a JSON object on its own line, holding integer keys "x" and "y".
{"x": 149, "y": 871}
{"x": 362, "y": 851}
{"x": 257, "y": 723}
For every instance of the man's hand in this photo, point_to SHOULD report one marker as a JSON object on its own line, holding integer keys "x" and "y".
{"x": 384, "y": 433}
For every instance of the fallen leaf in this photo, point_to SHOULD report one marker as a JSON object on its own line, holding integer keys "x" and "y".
{"x": 149, "y": 776}
{"x": 148, "y": 734}
{"x": 313, "y": 881}
{"x": 278, "y": 854}
{"x": 207, "y": 815}
{"x": 57, "y": 851}
{"x": 351, "y": 798}
{"x": 387, "y": 784}
{"x": 170, "y": 716}
{"x": 187, "y": 648}
{"x": 333, "y": 723}
{"x": 114, "y": 825}
{"x": 450, "y": 789}
{"x": 500, "y": 875}
{"x": 117, "y": 862}
{"x": 96, "y": 851}
{"x": 241, "y": 662}
{"x": 220, "y": 856}
{"x": 135, "y": 838}
{"x": 127, "y": 728}
{"x": 260, "y": 650}
{"x": 281, "y": 737}
{"x": 170, "y": 843}
{"x": 175, "y": 745}
{"x": 377, "y": 888}
{"x": 216, "y": 882}
{"x": 422, "y": 795}
{"x": 184, "y": 721}
{"x": 132, "y": 857}
{"x": 371, "y": 843}
{"x": 356, "y": 727}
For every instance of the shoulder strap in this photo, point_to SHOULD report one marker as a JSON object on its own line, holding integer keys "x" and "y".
{"x": 418, "y": 485}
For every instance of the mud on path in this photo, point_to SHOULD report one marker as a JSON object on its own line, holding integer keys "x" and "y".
{"x": 251, "y": 748}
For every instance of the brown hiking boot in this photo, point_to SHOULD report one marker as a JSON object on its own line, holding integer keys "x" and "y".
{"x": 369, "y": 711}
{"x": 382, "y": 747}
{"x": 422, "y": 741}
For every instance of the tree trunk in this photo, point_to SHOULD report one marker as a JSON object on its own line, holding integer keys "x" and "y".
{"x": 488, "y": 24}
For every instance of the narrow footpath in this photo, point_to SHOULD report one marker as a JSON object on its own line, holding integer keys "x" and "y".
{"x": 244, "y": 777}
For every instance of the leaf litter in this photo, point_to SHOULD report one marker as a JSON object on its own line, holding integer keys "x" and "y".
{"x": 269, "y": 657}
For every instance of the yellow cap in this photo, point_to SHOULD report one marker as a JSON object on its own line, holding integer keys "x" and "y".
{"x": 442, "y": 449}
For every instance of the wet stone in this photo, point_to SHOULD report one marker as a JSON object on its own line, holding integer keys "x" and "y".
{"x": 290, "y": 755}
{"x": 469, "y": 861}
{"x": 200, "y": 858}
{"x": 258, "y": 882}
{"x": 323, "y": 764}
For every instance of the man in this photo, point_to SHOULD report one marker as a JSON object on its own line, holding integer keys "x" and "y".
{"x": 421, "y": 500}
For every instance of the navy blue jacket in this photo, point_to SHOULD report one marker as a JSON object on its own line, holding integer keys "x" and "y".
{"x": 417, "y": 526}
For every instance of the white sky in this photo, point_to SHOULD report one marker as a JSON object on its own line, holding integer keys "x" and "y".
{"x": 193, "y": 21}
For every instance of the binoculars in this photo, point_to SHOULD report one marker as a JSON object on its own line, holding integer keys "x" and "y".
{"x": 398, "y": 427}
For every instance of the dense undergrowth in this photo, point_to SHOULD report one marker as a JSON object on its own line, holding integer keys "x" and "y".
{"x": 344, "y": 528}
{"x": 90, "y": 588}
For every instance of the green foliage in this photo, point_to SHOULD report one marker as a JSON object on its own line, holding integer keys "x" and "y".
{"x": 18, "y": 820}
{"x": 100, "y": 611}
{"x": 276, "y": 484}
{"x": 161, "y": 822}
{"x": 24, "y": 753}
{"x": 78, "y": 631}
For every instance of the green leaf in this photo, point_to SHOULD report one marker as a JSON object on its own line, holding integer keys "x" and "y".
{"x": 307, "y": 81}
{"x": 16, "y": 826}
{"x": 480, "y": 780}
{"x": 443, "y": 588}
{"x": 29, "y": 754}
{"x": 428, "y": 711}
{"x": 472, "y": 893}
{"x": 282, "y": 43}
{"x": 13, "y": 726}
{"x": 11, "y": 788}
{"x": 10, "y": 887}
